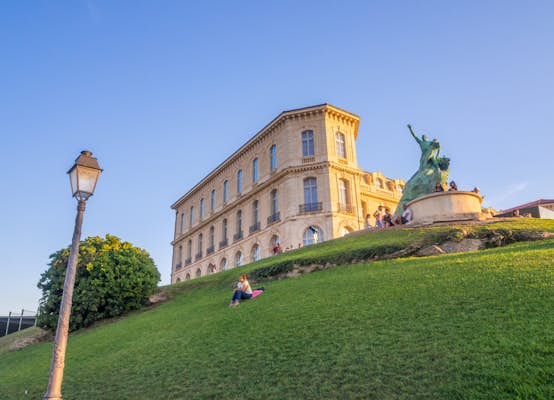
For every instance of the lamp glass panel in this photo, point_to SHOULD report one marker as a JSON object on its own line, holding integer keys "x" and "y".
{"x": 87, "y": 179}
{"x": 73, "y": 181}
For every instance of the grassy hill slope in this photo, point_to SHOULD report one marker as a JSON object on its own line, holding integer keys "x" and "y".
{"x": 473, "y": 325}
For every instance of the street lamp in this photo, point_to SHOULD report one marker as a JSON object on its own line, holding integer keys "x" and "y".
{"x": 83, "y": 176}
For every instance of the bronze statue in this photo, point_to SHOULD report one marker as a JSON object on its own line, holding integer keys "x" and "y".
{"x": 432, "y": 173}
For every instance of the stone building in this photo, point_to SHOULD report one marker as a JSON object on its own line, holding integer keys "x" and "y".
{"x": 295, "y": 182}
{"x": 543, "y": 208}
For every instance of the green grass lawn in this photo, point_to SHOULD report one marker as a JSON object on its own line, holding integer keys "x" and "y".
{"x": 462, "y": 326}
{"x": 377, "y": 244}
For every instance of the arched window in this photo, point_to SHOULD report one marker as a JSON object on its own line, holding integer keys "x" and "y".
{"x": 274, "y": 240}
{"x": 255, "y": 172}
{"x": 187, "y": 277}
{"x": 223, "y": 264}
{"x": 274, "y": 245}
{"x": 201, "y": 209}
{"x": 310, "y": 195}
{"x": 225, "y": 192}
{"x": 239, "y": 181}
{"x": 212, "y": 237}
{"x": 345, "y": 230}
{"x": 238, "y": 259}
{"x": 308, "y": 143}
{"x": 212, "y": 200}
{"x": 273, "y": 158}
{"x": 312, "y": 234}
{"x": 211, "y": 269}
{"x": 255, "y": 253}
{"x": 182, "y": 223}
{"x": 340, "y": 145}
{"x": 198, "y": 273}
{"x": 191, "y": 216}
{"x": 178, "y": 280}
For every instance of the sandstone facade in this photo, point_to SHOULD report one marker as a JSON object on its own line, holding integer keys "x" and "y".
{"x": 295, "y": 182}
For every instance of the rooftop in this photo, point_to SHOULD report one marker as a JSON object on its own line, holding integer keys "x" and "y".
{"x": 531, "y": 204}
{"x": 275, "y": 121}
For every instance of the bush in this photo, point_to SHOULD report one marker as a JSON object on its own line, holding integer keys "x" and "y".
{"x": 113, "y": 277}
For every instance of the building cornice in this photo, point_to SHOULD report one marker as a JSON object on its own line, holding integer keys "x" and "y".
{"x": 275, "y": 179}
{"x": 346, "y": 168}
{"x": 381, "y": 196}
{"x": 275, "y": 124}
{"x": 345, "y": 117}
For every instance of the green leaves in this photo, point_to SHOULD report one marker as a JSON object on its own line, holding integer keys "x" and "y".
{"x": 113, "y": 277}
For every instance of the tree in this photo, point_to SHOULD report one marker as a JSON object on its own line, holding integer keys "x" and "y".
{"x": 113, "y": 277}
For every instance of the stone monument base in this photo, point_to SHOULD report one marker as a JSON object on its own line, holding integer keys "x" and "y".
{"x": 445, "y": 207}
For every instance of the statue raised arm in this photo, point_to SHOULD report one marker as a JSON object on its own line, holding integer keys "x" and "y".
{"x": 428, "y": 149}
{"x": 418, "y": 140}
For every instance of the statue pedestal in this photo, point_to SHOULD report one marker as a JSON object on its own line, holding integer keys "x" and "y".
{"x": 446, "y": 206}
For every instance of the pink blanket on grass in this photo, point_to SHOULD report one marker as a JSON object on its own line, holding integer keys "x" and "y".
{"x": 256, "y": 293}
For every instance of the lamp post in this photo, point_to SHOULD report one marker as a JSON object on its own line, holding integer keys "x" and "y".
{"x": 83, "y": 176}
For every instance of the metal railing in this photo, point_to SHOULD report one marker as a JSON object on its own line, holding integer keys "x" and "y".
{"x": 345, "y": 207}
{"x": 178, "y": 265}
{"x": 14, "y": 323}
{"x": 276, "y": 217}
{"x": 188, "y": 261}
{"x": 254, "y": 228}
{"x": 210, "y": 249}
{"x": 198, "y": 256}
{"x": 237, "y": 236}
{"x": 223, "y": 243}
{"x": 310, "y": 207}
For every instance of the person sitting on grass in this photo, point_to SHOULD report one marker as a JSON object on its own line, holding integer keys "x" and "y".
{"x": 242, "y": 292}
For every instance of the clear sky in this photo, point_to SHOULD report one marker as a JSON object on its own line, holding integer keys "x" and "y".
{"x": 162, "y": 92}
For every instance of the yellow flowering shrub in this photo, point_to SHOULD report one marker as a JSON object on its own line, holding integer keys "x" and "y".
{"x": 113, "y": 277}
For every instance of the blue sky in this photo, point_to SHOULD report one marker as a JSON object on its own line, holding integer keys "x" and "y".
{"x": 162, "y": 92}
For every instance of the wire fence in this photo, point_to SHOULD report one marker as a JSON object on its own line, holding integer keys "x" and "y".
{"x": 16, "y": 322}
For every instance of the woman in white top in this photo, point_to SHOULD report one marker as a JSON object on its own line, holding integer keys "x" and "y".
{"x": 242, "y": 292}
